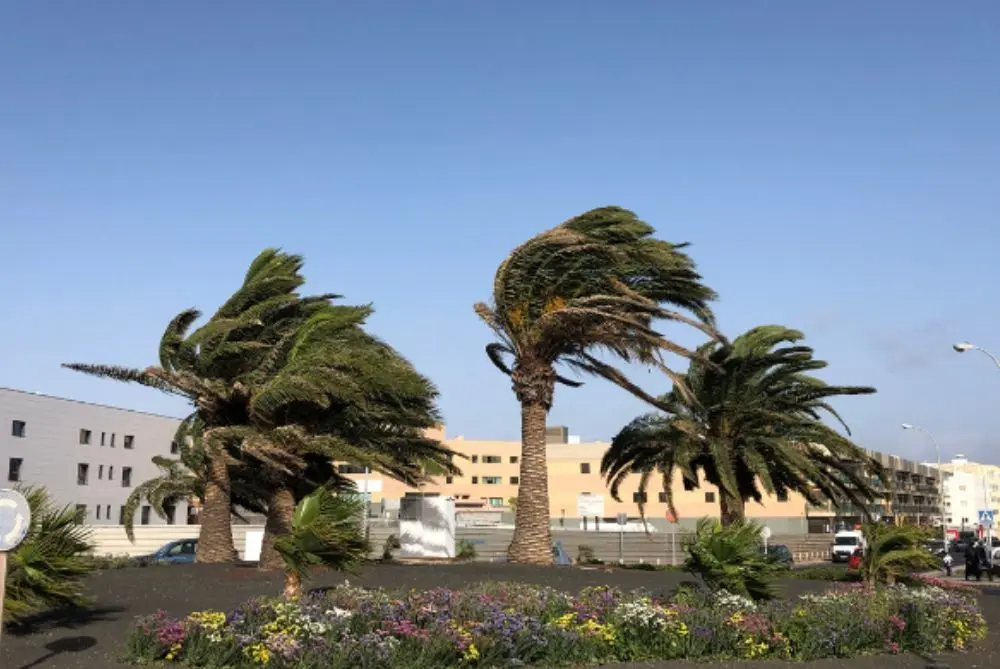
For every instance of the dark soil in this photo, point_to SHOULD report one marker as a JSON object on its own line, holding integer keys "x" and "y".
{"x": 93, "y": 639}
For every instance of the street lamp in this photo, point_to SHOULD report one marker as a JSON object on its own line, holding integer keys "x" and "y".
{"x": 963, "y": 346}
{"x": 937, "y": 451}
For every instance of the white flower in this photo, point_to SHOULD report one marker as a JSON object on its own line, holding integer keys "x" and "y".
{"x": 641, "y": 613}
{"x": 730, "y": 602}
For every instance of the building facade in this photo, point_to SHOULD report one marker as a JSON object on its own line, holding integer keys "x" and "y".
{"x": 85, "y": 455}
{"x": 970, "y": 487}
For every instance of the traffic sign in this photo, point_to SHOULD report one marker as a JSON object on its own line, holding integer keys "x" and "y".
{"x": 15, "y": 519}
{"x": 765, "y": 532}
{"x": 623, "y": 519}
{"x": 986, "y": 517}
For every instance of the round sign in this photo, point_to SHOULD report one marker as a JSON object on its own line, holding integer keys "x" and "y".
{"x": 765, "y": 532}
{"x": 15, "y": 519}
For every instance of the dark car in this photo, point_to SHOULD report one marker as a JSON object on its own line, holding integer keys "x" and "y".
{"x": 176, "y": 552}
{"x": 780, "y": 554}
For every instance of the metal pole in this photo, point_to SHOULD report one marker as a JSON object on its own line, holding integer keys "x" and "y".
{"x": 3, "y": 585}
{"x": 364, "y": 495}
{"x": 621, "y": 544}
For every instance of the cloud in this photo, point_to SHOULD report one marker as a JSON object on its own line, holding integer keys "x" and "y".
{"x": 914, "y": 348}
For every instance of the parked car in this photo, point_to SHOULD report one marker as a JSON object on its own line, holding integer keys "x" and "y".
{"x": 936, "y": 547}
{"x": 176, "y": 552}
{"x": 780, "y": 554}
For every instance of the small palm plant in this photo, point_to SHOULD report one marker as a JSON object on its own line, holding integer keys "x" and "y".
{"x": 326, "y": 532}
{"x": 893, "y": 552}
{"x": 731, "y": 558}
{"x": 44, "y": 573}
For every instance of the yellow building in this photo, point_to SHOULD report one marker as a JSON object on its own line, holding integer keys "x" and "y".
{"x": 576, "y": 489}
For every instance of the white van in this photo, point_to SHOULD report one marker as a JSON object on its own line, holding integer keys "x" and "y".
{"x": 845, "y": 543}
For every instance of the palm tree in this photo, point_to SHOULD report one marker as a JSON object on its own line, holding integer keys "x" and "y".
{"x": 187, "y": 476}
{"x": 731, "y": 558}
{"x": 593, "y": 284}
{"x": 325, "y": 532}
{"x": 212, "y": 366}
{"x": 894, "y": 551}
{"x": 45, "y": 572}
{"x": 751, "y": 424}
{"x": 341, "y": 395}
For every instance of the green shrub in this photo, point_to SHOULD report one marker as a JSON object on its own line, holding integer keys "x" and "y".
{"x": 46, "y": 571}
{"x": 893, "y": 552}
{"x": 731, "y": 558}
{"x": 465, "y": 550}
{"x": 585, "y": 555}
{"x": 833, "y": 574}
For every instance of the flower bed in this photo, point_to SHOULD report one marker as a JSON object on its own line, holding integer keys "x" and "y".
{"x": 510, "y": 624}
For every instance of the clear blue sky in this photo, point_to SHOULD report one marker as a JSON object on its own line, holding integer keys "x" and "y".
{"x": 835, "y": 166}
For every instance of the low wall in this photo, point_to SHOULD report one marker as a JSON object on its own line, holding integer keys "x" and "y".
{"x": 111, "y": 539}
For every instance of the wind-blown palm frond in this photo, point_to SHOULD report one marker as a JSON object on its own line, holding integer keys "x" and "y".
{"x": 731, "y": 558}
{"x": 894, "y": 551}
{"x": 45, "y": 571}
{"x": 326, "y": 531}
{"x": 752, "y": 425}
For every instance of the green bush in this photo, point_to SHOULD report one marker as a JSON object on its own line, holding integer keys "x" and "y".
{"x": 465, "y": 550}
{"x": 46, "y": 571}
{"x": 731, "y": 558}
{"x": 893, "y": 552}
{"x": 585, "y": 555}
{"x": 833, "y": 574}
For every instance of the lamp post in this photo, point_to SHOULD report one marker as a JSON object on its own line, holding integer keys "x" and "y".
{"x": 937, "y": 452}
{"x": 962, "y": 347}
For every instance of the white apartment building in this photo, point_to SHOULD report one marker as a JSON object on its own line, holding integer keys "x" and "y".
{"x": 968, "y": 488}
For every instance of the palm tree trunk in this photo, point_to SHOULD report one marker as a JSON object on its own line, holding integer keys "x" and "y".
{"x": 280, "y": 512}
{"x": 215, "y": 543}
{"x": 731, "y": 509}
{"x": 293, "y": 586}
{"x": 532, "y": 542}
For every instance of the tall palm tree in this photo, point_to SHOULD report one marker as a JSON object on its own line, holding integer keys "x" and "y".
{"x": 211, "y": 368}
{"x": 341, "y": 395}
{"x": 750, "y": 424}
{"x": 593, "y": 284}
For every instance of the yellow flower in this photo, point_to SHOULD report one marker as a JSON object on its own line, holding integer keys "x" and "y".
{"x": 682, "y": 629}
{"x": 258, "y": 653}
{"x": 174, "y": 651}
{"x": 471, "y": 653}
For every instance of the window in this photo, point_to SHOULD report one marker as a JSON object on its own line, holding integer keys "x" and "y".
{"x": 350, "y": 469}
{"x": 584, "y": 467}
{"x": 513, "y": 459}
{"x": 475, "y": 479}
{"x": 82, "y": 473}
{"x": 129, "y": 441}
{"x": 111, "y": 473}
{"x": 144, "y": 516}
{"x": 100, "y": 472}
{"x": 710, "y": 497}
{"x": 639, "y": 497}
{"x": 81, "y": 513}
{"x": 782, "y": 496}
{"x": 492, "y": 459}
{"x": 175, "y": 448}
{"x": 121, "y": 515}
{"x": 515, "y": 480}
{"x": 170, "y": 511}
{"x": 495, "y": 501}
{"x": 84, "y": 436}
{"x": 112, "y": 440}
{"x": 103, "y": 435}
{"x": 449, "y": 479}
{"x": 492, "y": 480}
{"x": 98, "y": 508}
{"x": 18, "y": 428}
{"x": 662, "y": 497}
{"x": 126, "y": 477}
{"x": 14, "y": 469}
{"x": 107, "y": 512}
{"x": 475, "y": 458}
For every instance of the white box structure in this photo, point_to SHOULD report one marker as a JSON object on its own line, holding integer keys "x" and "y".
{"x": 427, "y": 527}
{"x": 252, "y": 544}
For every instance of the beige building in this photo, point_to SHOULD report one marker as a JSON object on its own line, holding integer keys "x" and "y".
{"x": 577, "y": 491}
{"x": 969, "y": 488}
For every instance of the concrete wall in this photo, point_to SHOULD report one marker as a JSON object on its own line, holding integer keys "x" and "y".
{"x": 51, "y": 450}
{"x": 490, "y": 544}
